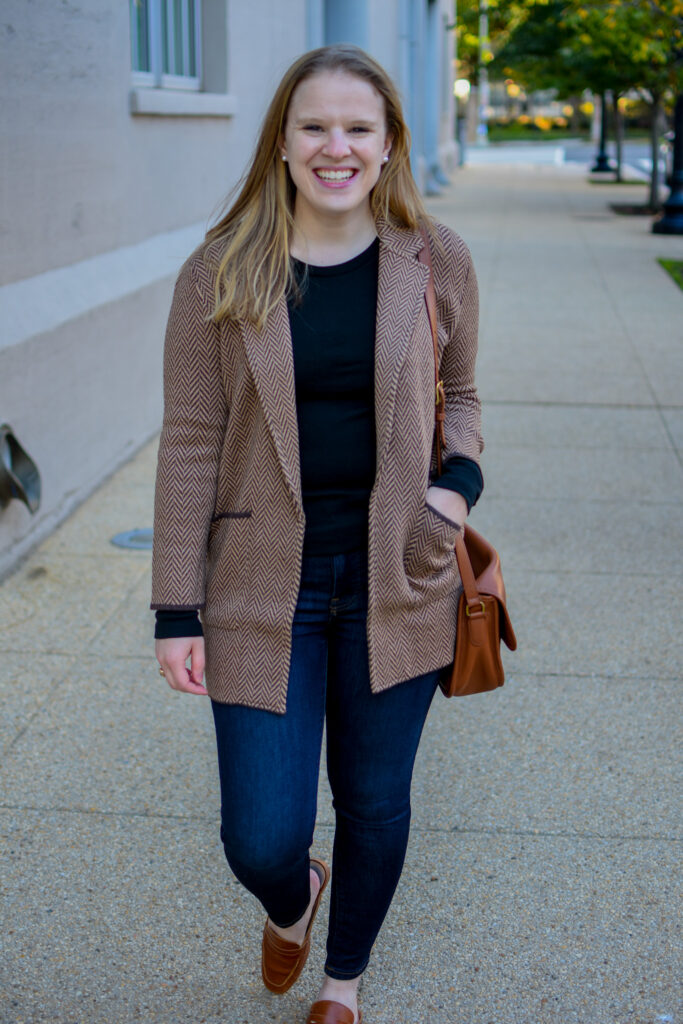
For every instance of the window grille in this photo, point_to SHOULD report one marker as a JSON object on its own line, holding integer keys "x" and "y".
{"x": 165, "y": 43}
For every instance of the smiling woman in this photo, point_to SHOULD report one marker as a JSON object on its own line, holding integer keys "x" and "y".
{"x": 335, "y": 141}
{"x": 258, "y": 230}
{"x": 299, "y": 508}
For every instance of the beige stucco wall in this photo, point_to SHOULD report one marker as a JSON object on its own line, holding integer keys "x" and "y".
{"x": 81, "y": 175}
{"x": 84, "y": 180}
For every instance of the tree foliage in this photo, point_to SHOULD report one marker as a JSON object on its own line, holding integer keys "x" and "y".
{"x": 505, "y": 17}
{"x": 637, "y": 43}
{"x": 572, "y": 45}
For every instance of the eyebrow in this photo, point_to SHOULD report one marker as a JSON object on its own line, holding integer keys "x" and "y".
{"x": 359, "y": 121}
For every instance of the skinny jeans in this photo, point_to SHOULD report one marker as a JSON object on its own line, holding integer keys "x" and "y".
{"x": 269, "y": 767}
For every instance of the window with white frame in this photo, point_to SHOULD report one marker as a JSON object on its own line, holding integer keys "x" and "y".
{"x": 166, "y": 43}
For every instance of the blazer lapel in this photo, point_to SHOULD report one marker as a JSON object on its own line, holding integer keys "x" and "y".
{"x": 400, "y": 296}
{"x": 270, "y": 358}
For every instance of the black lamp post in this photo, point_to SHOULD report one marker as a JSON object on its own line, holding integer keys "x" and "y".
{"x": 602, "y": 164}
{"x": 671, "y": 221}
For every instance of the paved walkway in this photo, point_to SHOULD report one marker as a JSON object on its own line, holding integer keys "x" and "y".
{"x": 544, "y": 867}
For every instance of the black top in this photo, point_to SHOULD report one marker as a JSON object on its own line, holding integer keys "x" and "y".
{"x": 333, "y": 341}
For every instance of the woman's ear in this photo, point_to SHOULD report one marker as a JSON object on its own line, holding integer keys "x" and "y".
{"x": 388, "y": 142}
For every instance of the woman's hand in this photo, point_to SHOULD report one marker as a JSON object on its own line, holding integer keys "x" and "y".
{"x": 449, "y": 503}
{"x": 172, "y": 655}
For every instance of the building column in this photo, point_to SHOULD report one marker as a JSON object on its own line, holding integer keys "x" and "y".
{"x": 346, "y": 21}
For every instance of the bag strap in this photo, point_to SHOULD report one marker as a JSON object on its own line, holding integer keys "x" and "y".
{"x": 425, "y": 256}
{"x": 474, "y": 604}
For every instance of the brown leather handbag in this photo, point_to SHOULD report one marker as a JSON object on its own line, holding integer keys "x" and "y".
{"x": 482, "y": 617}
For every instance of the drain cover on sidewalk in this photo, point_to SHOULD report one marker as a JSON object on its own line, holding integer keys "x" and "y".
{"x": 139, "y": 540}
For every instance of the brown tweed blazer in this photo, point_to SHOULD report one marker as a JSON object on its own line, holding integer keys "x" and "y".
{"x": 229, "y": 522}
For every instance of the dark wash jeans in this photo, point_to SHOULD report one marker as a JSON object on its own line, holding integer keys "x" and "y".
{"x": 269, "y": 768}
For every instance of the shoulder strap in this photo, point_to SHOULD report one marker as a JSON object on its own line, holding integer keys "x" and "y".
{"x": 472, "y": 597}
{"x": 425, "y": 257}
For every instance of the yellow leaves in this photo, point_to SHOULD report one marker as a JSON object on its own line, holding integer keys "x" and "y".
{"x": 587, "y": 108}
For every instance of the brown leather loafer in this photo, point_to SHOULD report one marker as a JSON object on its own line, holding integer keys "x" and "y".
{"x": 327, "y": 1012}
{"x": 281, "y": 961}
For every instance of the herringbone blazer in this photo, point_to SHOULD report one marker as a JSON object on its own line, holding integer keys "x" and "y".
{"x": 229, "y": 521}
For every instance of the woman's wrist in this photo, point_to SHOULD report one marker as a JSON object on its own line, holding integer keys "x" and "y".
{"x": 449, "y": 504}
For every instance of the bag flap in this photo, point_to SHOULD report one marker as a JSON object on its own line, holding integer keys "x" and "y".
{"x": 489, "y": 578}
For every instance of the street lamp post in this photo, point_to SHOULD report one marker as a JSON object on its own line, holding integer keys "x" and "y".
{"x": 671, "y": 221}
{"x": 483, "y": 89}
{"x": 602, "y": 164}
{"x": 461, "y": 90}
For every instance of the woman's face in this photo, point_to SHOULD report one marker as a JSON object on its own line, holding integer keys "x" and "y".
{"x": 335, "y": 141}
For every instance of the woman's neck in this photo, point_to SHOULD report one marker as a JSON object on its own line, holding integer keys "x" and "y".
{"x": 330, "y": 240}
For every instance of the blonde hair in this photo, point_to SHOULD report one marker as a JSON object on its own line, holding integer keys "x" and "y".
{"x": 253, "y": 237}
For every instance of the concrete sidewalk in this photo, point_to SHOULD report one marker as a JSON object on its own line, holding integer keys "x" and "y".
{"x": 543, "y": 873}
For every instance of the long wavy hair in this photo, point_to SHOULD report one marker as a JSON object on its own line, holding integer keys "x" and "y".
{"x": 254, "y": 232}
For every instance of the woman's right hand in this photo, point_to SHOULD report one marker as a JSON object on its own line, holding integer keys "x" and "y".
{"x": 172, "y": 655}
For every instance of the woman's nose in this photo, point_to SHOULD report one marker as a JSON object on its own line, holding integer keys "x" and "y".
{"x": 337, "y": 144}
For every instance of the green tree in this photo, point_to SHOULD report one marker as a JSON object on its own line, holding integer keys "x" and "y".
{"x": 572, "y": 45}
{"x": 504, "y": 16}
{"x": 640, "y": 44}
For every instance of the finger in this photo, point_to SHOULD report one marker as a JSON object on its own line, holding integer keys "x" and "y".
{"x": 197, "y": 689}
{"x": 179, "y": 678}
{"x": 197, "y": 660}
{"x": 184, "y": 684}
{"x": 192, "y": 687}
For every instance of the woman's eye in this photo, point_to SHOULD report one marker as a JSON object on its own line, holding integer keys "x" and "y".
{"x": 359, "y": 129}
{"x": 312, "y": 128}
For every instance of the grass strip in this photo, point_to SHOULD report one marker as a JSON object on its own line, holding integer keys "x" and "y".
{"x": 675, "y": 269}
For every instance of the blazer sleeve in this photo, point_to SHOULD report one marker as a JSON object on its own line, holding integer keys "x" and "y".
{"x": 195, "y": 417}
{"x": 458, "y": 302}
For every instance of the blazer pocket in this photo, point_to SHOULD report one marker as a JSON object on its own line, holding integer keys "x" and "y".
{"x": 230, "y": 515}
{"x": 451, "y": 522}
{"x": 228, "y": 567}
{"x": 430, "y": 552}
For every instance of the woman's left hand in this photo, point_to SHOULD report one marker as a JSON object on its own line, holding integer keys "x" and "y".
{"x": 449, "y": 503}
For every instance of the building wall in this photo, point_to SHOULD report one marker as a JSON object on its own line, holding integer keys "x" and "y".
{"x": 87, "y": 188}
{"x": 99, "y": 207}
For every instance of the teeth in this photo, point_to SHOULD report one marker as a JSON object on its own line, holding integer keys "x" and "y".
{"x": 335, "y": 175}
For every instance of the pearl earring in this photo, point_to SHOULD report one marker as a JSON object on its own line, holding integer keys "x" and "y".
{"x": 385, "y": 159}
{"x": 284, "y": 158}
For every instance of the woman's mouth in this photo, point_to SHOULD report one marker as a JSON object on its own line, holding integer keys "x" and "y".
{"x": 335, "y": 177}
